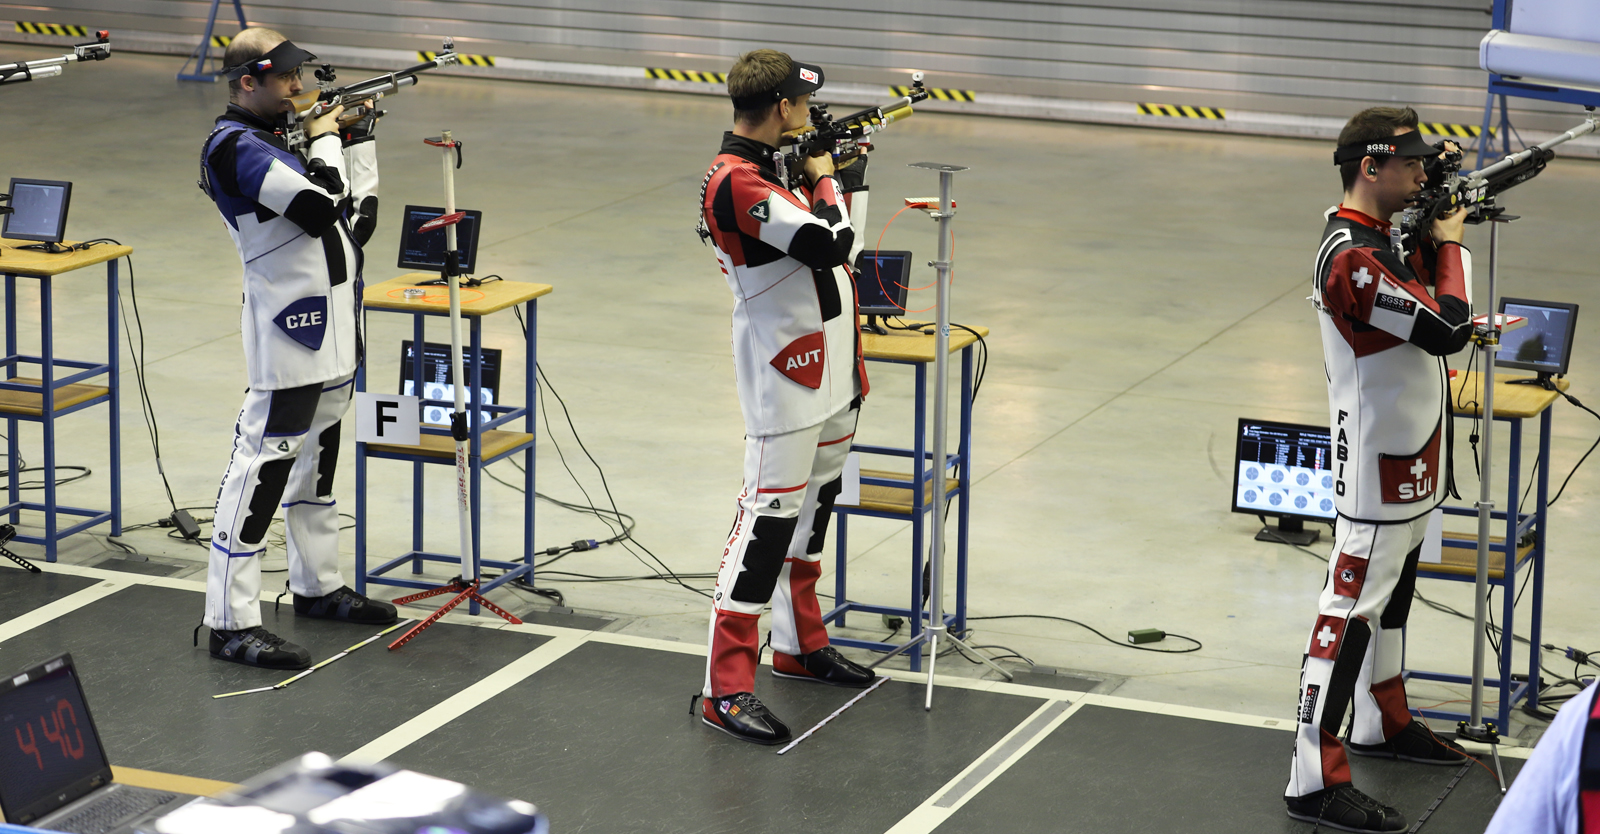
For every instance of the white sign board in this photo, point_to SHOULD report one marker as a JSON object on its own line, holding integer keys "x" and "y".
{"x": 850, "y": 489}
{"x": 387, "y": 418}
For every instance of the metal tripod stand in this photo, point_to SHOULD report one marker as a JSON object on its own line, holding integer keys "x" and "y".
{"x": 7, "y": 533}
{"x": 936, "y": 628}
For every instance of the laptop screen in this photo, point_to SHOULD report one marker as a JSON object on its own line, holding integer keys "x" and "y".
{"x": 49, "y": 752}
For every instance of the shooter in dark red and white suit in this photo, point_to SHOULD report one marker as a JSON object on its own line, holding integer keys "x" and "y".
{"x": 797, "y": 359}
{"x": 1387, "y": 324}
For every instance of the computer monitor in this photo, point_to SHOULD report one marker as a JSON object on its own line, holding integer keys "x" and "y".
{"x": 425, "y": 250}
{"x": 437, "y": 381}
{"x": 1544, "y": 344}
{"x": 1284, "y": 470}
{"x": 38, "y": 210}
{"x": 882, "y": 277}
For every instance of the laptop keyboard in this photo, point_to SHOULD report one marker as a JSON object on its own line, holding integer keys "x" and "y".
{"x": 112, "y": 810}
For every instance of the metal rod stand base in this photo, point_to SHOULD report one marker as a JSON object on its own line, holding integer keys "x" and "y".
{"x": 1486, "y": 734}
{"x": 931, "y": 637}
{"x": 463, "y": 591}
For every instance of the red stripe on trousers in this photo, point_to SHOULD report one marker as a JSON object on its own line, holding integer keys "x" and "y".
{"x": 1391, "y": 698}
{"x": 782, "y": 489}
{"x": 1335, "y": 763}
{"x": 735, "y": 650}
{"x": 808, "y": 626}
{"x": 840, "y": 440}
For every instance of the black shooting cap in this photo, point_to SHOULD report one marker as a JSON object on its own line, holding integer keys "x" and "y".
{"x": 1407, "y": 144}
{"x": 285, "y": 57}
{"x": 802, "y": 79}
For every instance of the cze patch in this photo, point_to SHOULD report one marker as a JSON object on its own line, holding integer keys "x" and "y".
{"x": 761, "y": 211}
{"x": 1394, "y": 303}
{"x": 801, "y": 361}
{"x": 1308, "y": 703}
{"x": 305, "y": 321}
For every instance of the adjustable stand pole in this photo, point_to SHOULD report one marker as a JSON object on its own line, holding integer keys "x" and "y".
{"x": 1488, "y": 338}
{"x": 936, "y": 628}
{"x": 7, "y": 533}
{"x": 465, "y": 586}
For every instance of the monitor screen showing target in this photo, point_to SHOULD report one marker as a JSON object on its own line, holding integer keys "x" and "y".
{"x": 1283, "y": 470}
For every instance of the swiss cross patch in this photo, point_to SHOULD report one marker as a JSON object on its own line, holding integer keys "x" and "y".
{"x": 761, "y": 211}
{"x": 1349, "y": 573}
{"x": 1403, "y": 479}
{"x": 1395, "y": 304}
{"x": 305, "y": 321}
{"x": 801, "y": 361}
{"x": 1325, "y": 637}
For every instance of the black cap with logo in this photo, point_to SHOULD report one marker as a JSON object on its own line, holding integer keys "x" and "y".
{"x": 1407, "y": 144}
{"x": 802, "y": 79}
{"x": 285, "y": 57}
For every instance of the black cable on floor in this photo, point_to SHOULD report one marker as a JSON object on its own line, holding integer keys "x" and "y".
{"x": 1112, "y": 640}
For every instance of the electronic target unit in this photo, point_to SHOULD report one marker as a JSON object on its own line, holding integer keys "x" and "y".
{"x": 1284, "y": 470}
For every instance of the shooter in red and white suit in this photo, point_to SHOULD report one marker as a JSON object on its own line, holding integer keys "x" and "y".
{"x": 1387, "y": 325}
{"x": 797, "y": 359}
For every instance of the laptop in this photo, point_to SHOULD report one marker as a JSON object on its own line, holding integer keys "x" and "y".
{"x": 53, "y": 770}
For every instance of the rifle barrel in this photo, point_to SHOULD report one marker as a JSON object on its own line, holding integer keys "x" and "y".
{"x": 1521, "y": 156}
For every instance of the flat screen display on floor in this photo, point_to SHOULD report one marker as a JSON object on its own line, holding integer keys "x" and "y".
{"x": 425, "y": 250}
{"x": 1284, "y": 470}
{"x": 1544, "y": 344}
{"x": 438, "y": 385}
{"x": 38, "y": 210}
{"x": 881, "y": 280}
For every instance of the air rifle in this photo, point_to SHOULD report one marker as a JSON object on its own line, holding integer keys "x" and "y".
{"x": 843, "y": 136}
{"x": 367, "y": 92}
{"x": 1448, "y": 189}
{"x": 97, "y": 50}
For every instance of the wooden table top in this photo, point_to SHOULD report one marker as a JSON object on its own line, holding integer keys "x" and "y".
{"x": 158, "y": 781}
{"x": 912, "y": 345}
{"x": 475, "y": 301}
{"x": 32, "y": 262}
{"x": 1510, "y": 401}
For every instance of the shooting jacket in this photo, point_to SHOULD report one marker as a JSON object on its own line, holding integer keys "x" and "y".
{"x": 796, "y": 335}
{"x": 299, "y": 222}
{"x": 1384, "y": 339}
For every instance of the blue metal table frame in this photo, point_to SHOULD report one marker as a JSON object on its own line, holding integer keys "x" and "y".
{"x": 1519, "y": 527}
{"x": 922, "y": 476}
{"x": 501, "y": 415}
{"x": 48, "y": 389}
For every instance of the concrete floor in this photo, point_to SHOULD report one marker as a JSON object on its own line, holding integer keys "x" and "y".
{"x": 1145, "y": 289}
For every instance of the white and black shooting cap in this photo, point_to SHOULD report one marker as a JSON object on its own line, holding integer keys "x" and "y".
{"x": 1407, "y": 144}
{"x": 803, "y": 78}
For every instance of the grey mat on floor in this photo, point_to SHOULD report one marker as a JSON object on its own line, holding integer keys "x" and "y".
{"x": 21, "y": 592}
{"x": 602, "y": 740}
{"x": 1110, "y": 770}
{"x": 150, "y": 691}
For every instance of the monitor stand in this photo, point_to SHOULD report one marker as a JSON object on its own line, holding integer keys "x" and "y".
{"x": 52, "y": 248}
{"x": 872, "y": 326}
{"x": 1288, "y": 531}
{"x": 1543, "y": 380}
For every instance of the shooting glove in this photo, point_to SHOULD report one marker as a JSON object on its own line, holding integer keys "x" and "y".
{"x": 852, "y": 175}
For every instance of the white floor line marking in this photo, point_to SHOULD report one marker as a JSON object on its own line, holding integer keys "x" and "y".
{"x": 1010, "y": 749}
{"x": 647, "y": 643}
{"x": 123, "y": 576}
{"x": 835, "y": 714}
{"x": 464, "y": 701}
{"x": 1179, "y": 711}
{"x": 66, "y": 605}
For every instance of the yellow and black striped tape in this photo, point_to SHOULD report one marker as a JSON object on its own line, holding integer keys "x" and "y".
{"x": 1183, "y": 111}
{"x": 221, "y": 40}
{"x": 1454, "y": 131}
{"x": 686, "y": 75}
{"x": 63, "y": 29}
{"x": 466, "y": 60}
{"x": 939, "y": 93}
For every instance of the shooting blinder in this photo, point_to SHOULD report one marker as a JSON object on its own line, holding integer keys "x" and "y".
{"x": 1406, "y": 144}
{"x": 285, "y": 57}
{"x": 802, "y": 79}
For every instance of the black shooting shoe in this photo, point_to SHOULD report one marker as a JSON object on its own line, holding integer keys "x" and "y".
{"x": 1416, "y": 743}
{"x": 1347, "y": 809}
{"x": 346, "y": 606}
{"x": 744, "y": 717}
{"x": 825, "y": 665}
{"x": 258, "y": 647}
